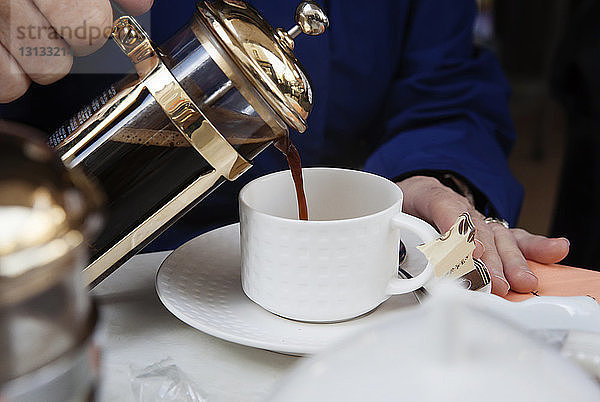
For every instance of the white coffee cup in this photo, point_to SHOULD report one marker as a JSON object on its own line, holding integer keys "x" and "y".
{"x": 341, "y": 263}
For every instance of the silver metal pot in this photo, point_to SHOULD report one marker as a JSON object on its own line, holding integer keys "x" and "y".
{"x": 47, "y": 319}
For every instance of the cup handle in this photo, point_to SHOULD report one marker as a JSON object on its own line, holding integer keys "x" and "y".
{"x": 426, "y": 233}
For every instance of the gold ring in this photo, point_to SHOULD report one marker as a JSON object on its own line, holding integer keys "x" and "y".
{"x": 497, "y": 220}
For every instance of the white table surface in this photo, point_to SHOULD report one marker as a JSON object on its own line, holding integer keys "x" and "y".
{"x": 136, "y": 330}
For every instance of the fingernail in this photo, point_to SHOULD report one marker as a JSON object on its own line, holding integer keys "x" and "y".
{"x": 504, "y": 281}
{"x": 567, "y": 240}
{"x": 501, "y": 278}
{"x": 478, "y": 242}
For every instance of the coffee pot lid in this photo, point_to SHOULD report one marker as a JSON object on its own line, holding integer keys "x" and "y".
{"x": 46, "y": 212}
{"x": 265, "y": 55}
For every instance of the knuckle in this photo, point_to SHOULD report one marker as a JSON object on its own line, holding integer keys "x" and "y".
{"x": 421, "y": 183}
{"x": 495, "y": 267}
{"x": 520, "y": 232}
{"x": 14, "y": 90}
{"x": 438, "y": 194}
{"x": 94, "y": 13}
{"x": 429, "y": 181}
{"x": 99, "y": 15}
{"x": 142, "y": 6}
{"x": 87, "y": 30}
{"x": 436, "y": 201}
{"x": 486, "y": 236}
{"x": 99, "y": 18}
{"x": 439, "y": 199}
{"x": 498, "y": 229}
{"x": 514, "y": 256}
{"x": 464, "y": 203}
{"x": 442, "y": 195}
{"x": 53, "y": 71}
{"x": 490, "y": 257}
{"x": 148, "y": 5}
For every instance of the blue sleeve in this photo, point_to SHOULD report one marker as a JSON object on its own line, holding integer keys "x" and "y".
{"x": 448, "y": 107}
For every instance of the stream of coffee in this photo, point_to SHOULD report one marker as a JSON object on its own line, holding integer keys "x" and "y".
{"x": 286, "y": 146}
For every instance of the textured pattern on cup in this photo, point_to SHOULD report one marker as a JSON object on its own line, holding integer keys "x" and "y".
{"x": 320, "y": 270}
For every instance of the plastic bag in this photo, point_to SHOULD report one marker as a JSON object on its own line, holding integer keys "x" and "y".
{"x": 163, "y": 381}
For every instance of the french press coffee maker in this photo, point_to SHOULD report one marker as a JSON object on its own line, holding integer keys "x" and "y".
{"x": 199, "y": 109}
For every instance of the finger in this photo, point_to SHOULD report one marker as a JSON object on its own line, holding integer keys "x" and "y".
{"x": 84, "y": 24}
{"x": 541, "y": 249}
{"x": 136, "y": 7}
{"x": 491, "y": 258}
{"x": 515, "y": 267}
{"x": 479, "y": 249}
{"x": 32, "y": 42}
{"x": 13, "y": 80}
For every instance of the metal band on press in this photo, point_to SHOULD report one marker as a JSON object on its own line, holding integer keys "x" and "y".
{"x": 176, "y": 103}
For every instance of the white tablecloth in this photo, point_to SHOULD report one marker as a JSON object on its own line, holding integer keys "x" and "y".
{"x": 136, "y": 330}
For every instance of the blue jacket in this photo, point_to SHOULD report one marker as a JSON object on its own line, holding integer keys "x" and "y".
{"x": 398, "y": 88}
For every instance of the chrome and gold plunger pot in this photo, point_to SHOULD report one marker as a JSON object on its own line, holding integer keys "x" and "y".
{"x": 47, "y": 319}
{"x": 199, "y": 109}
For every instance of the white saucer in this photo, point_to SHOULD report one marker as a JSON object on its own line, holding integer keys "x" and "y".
{"x": 200, "y": 284}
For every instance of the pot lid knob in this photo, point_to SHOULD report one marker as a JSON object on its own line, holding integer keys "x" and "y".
{"x": 310, "y": 19}
{"x": 265, "y": 55}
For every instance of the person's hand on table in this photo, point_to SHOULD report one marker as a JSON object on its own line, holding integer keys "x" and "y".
{"x": 38, "y": 38}
{"x": 504, "y": 251}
